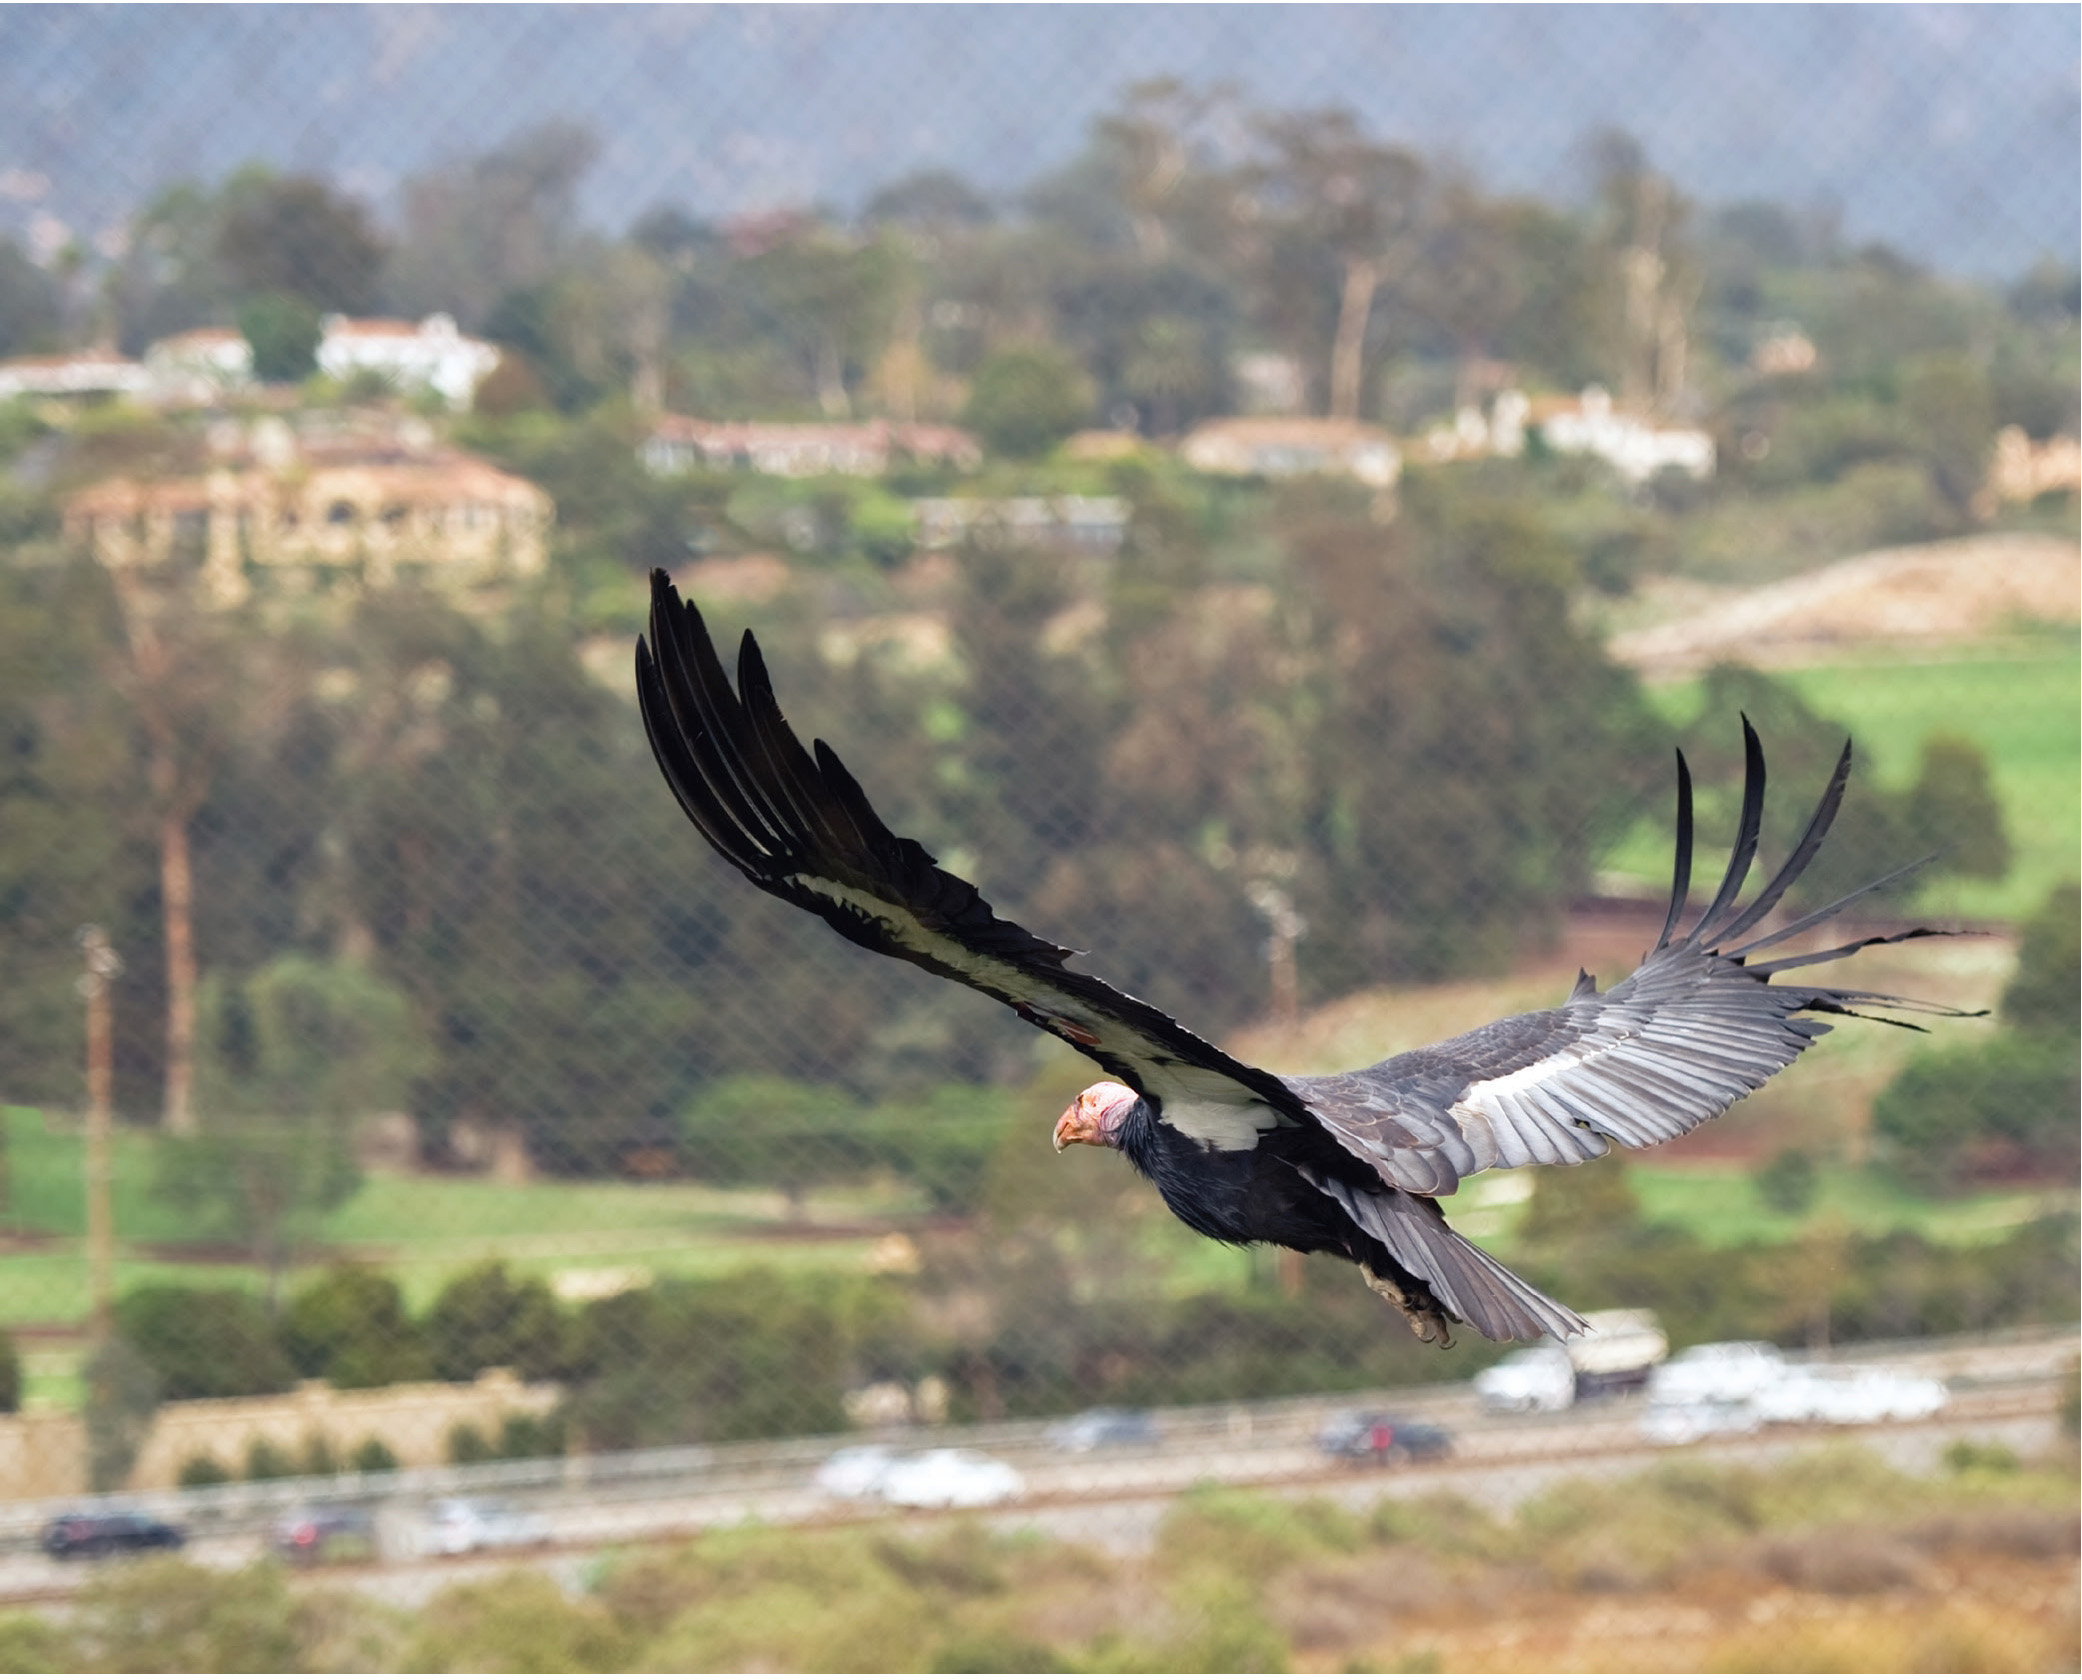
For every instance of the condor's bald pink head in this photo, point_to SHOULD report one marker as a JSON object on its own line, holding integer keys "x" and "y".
{"x": 1096, "y": 1116}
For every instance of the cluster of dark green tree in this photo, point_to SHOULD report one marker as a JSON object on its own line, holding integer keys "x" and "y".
{"x": 2005, "y": 1108}
{"x": 753, "y": 1353}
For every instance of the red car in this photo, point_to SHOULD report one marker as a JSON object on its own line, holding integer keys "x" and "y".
{"x": 1378, "y": 1436}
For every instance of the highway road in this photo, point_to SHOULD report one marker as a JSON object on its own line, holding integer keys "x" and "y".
{"x": 2003, "y": 1391}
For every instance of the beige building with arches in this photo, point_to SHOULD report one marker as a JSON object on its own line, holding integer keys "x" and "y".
{"x": 449, "y": 521}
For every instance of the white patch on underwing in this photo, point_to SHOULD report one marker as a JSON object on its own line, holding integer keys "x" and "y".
{"x": 1228, "y": 1115}
{"x": 1220, "y": 1125}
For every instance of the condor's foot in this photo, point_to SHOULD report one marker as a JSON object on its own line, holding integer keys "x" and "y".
{"x": 1427, "y": 1323}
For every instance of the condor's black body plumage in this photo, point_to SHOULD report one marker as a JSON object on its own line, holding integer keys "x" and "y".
{"x": 1350, "y": 1164}
{"x": 1264, "y": 1195}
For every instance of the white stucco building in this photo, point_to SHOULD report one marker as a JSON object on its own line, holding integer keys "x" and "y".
{"x": 428, "y": 355}
{"x": 199, "y": 366}
{"x": 76, "y": 373}
{"x": 1636, "y": 448}
{"x": 1275, "y": 447}
{"x": 812, "y": 449}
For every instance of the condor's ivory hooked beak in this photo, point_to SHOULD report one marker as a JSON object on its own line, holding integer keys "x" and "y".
{"x": 1078, "y": 1125}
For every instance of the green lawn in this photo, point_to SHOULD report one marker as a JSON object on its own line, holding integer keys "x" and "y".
{"x": 1720, "y": 1205}
{"x": 2023, "y": 709}
{"x": 422, "y": 1229}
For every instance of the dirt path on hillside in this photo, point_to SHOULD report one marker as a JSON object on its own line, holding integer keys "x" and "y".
{"x": 1914, "y": 600}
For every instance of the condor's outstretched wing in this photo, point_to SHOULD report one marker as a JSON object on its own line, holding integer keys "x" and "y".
{"x": 1693, "y": 1029}
{"x": 798, "y": 826}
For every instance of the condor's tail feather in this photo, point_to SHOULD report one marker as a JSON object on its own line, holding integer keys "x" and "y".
{"x": 1469, "y": 1284}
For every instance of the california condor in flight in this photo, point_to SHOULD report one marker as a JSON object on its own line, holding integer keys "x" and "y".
{"x": 1348, "y": 1164}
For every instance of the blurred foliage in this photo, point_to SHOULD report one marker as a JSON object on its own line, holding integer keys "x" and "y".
{"x": 1787, "y": 1182}
{"x": 31, "y": 303}
{"x": 1027, "y": 399}
{"x": 1949, "y": 816}
{"x": 288, "y": 1059}
{"x": 486, "y": 1317}
{"x": 349, "y": 1326}
{"x": 2005, "y": 1107}
{"x": 203, "y": 1344}
{"x": 123, "y": 1393}
{"x": 283, "y": 332}
{"x": 758, "y": 1353}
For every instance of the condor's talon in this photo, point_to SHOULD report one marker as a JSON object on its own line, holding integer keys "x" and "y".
{"x": 1427, "y": 1324}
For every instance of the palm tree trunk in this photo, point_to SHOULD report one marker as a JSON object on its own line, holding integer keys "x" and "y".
{"x": 1362, "y": 277}
{"x": 831, "y": 380}
{"x": 177, "y": 904}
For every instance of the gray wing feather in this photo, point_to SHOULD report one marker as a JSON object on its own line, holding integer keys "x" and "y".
{"x": 1689, "y": 1033}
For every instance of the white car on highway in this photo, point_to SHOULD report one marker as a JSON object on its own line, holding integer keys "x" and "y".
{"x": 854, "y": 1472}
{"x": 456, "y": 1526}
{"x": 1533, "y": 1379}
{"x": 950, "y": 1478}
{"x": 1680, "y": 1423}
{"x": 1849, "y": 1394}
{"x": 1721, "y": 1373}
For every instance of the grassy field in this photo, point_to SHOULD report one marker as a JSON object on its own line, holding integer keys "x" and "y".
{"x": 422, "y": 1229}
{"x": 2024, "y": 710}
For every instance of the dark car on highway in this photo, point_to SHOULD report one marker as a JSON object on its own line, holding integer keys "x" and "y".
{"x": 98, "y": 1533}
{"x": 1385, "y": 1439}
{"x": 1104, "y": 1426}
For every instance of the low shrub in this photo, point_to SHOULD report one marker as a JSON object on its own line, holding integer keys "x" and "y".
{"x": 202, "y": 1471}
{"x": 266, "y": 1462}
{"x": 204, "y": 1344}
{"x": 518, "y": 1622}
{"x": 372, "y": 1457}
{"x": 485, "y": 1317}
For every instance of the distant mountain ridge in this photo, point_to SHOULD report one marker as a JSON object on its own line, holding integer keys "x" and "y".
{"x": 1950, "y": 132}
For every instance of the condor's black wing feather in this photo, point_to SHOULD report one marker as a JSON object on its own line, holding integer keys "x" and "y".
{"x": 1696, "y": 1027}
{"x": 798, "y": 825}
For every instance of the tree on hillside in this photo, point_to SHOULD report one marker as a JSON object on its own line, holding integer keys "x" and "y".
{"x": 478, "y": 229}
{"x": 931, "y": 202}
{"x": 293, "y": 236}
{"x": 350, "y": 1327}
{"x": 1472, "y": 280}
{"x": 31, "y": 308}
{"x": 284, "y": 332}
{"x": 66, "y": 854}
{"x": 1359, "y": 207}
{"x": 1949, "y": 814}
{"x": 1027, "y": 399}
{"x": 1965, "y": 1113}
{"x": 178, "y": 667}
{"x": 172, "y": 276}
{"x": 834, "y": 300}
{"x": 293, "y": 1056}
{"x": 1472, "y": 749}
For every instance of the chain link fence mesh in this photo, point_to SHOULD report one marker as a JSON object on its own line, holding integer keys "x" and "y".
{"x": 1260, "y": 492}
